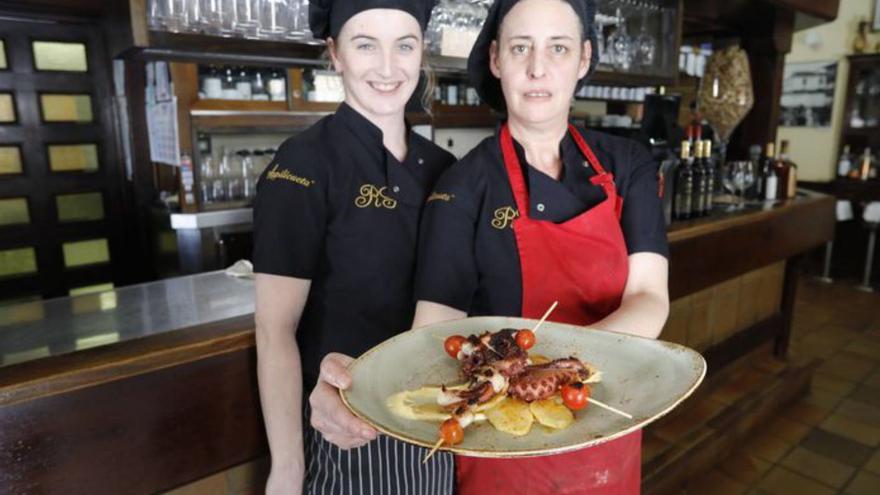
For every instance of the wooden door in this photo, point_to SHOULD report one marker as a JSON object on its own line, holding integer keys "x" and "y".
{"x": 61, "y": 207}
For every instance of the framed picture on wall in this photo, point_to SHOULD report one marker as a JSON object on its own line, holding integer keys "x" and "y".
{"x": 808, "y": 94}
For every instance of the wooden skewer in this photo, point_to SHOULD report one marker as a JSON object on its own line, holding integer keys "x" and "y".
{"x": 434, "y": 449}
{"x": 606, "y": 406}
{"x": 552, "y": 307}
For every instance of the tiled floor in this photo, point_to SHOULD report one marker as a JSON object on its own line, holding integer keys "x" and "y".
{"x": 829, "y": 442}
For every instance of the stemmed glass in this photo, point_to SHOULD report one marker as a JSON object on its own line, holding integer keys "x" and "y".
{"x": 645, "y": 44}
{"x": 737, "y": 176}
{"x": 621, "y": 45}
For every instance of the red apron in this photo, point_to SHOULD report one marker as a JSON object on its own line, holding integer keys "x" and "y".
{"x": 583, "y": 264}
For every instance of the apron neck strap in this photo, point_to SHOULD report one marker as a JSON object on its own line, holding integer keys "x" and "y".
{"x": 514, "y": 168}
{"x": 586, "y": 150}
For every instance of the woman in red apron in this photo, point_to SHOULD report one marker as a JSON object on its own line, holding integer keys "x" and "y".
{"x": 545, "y": 211}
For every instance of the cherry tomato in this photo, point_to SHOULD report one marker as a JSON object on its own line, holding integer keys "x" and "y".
{"x": 451, "y": 432}
{"x": 525, "y": 338}
{"x": 453, "y": 345}
{"x": 575, "y": 395}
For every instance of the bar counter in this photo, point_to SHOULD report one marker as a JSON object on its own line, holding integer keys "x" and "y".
{"x": 148, "y": 387}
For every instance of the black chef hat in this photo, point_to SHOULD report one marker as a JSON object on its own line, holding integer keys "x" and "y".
{"x": 326, "y": 17}
{"x": 487, "y": 85}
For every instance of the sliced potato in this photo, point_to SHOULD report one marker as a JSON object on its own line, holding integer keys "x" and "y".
{"x": 552, "y": 413}
{"x": 494, "y": 401}
{"x": 511, "y": 416}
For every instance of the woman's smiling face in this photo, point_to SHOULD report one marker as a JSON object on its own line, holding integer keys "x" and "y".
{"x": 539, "y": 56}
{"x": 379, "y": 54}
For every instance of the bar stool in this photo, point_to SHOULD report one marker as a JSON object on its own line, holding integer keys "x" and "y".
{"x": 871, "y": 219}
{"x": 844, "y": 212}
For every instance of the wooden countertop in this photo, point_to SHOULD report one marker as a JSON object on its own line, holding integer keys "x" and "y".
{"x": 707, "y": 251}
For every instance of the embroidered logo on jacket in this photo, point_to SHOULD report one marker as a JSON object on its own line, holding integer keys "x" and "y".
{"x": 504, "y": 216}
{"x": 438, "y": 196}
{"x": 276, "y": 174}
{"x": 375, "y": 197}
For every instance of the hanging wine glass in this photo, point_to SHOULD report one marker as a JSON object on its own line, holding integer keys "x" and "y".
{"x": 645, "y": 44}
{"x": 620, "y": 44}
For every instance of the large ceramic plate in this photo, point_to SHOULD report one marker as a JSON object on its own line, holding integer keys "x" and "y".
{"x": 646, "y": 378}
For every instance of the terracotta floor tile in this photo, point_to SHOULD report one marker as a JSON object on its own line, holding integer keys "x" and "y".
{"x": 738, "y": 386}
{"x": 672, "y": 430}
{"x": 769, "y": 364}
{"x": 823, "y": 398}
{"x": 248, "y": 477}
{"x": 212, "y": 485}
{"x": 836, "y": 447}
{"x": 855, "y": 319}
{"x": 818, "y": 467}
{"x": 769, "y": 448}
{"x": 864, "y": 483}
{"x": 813, "y": 350}
{"x": 786, "y": 429}
{"x": 873, "y": 463}
{"x": 830, "y": 339}
{"x": 716, "y": 483}
{"x": 781, "y": 481}
{"x": 867, "y": 394}
{"x": 744, "y": 467}
{"x": 832, "y": 383}
{"x": 806, "y": 413}
{"x": 860, "y": 411}
{"x": 652, "y": 446}
{"x": 852, "y": 429}
{"x": 866, "y": 347}
{"x": 873, "y": 380}
{"x": 848, "y": 366}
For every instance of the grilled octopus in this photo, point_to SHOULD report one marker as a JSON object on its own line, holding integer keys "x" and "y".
{"x": 498, "y": 350}
{"x": 540, "y": 381}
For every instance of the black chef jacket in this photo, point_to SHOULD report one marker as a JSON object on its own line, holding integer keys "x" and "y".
{"x": 336, "y": 208}
{"x": 468, "y": 256}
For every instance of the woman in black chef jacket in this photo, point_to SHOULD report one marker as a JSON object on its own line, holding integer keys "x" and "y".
{"x": 335, "y": 220}
{"x": 545, "y": 211}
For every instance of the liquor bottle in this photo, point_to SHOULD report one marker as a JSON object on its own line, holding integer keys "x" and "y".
{"x": 709, "y": 174}
{"x": 756, "y": 190}
{"x": 771, "y": 183}
{"x": 766, "y": 167}
{"x": 865, "y": 166}
{"x": 684, "y": 185}
{"x": 791, "y": 170}
{"x": 699, "y": 189}
{"x": 844, "y": 164}
{"x": 781, "y": 168}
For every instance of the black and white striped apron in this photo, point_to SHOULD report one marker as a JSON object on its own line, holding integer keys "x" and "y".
{"x": 384, "y": 466}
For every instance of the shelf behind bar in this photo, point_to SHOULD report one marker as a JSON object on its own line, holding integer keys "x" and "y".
{"x": 188, "y": 47}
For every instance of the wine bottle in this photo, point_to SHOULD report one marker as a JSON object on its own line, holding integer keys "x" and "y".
{"x": 684, "y": 184}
